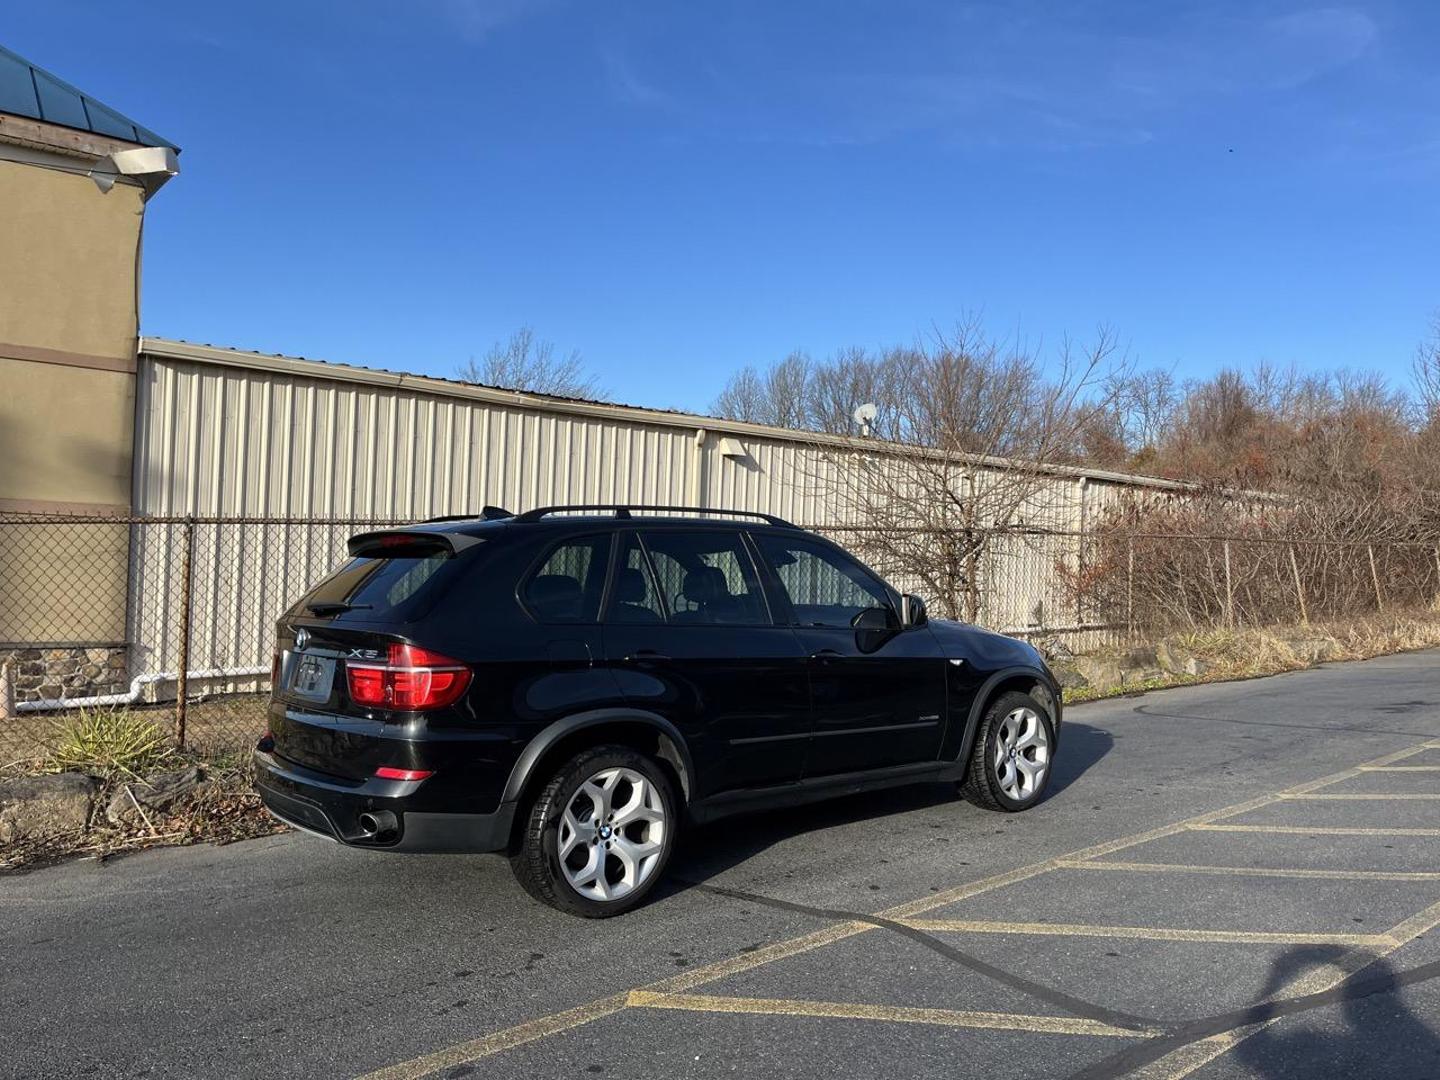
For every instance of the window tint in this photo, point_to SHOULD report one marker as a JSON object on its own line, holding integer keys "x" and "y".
{"x": 706, "y": 577}
{"x": 634, "y": 597}
{"x": 824, "y": 587}
{"x": 379, "y": 588}
{"x": 566, "y": 587}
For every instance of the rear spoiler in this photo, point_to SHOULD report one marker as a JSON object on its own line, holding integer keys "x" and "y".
{"x": 409, "y": 544}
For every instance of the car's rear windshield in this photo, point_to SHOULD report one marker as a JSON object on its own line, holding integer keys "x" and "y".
{"x": 367, "y": 589}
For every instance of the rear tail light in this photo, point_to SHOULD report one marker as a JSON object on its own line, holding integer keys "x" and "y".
{"x": 386, "y": 772}
{"x": 411, "y": 679}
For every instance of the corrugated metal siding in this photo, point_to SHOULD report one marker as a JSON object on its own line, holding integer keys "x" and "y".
{"x": 224, "y": 441}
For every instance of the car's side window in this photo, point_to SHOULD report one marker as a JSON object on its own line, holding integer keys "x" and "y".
{"x": 566, "y": 586}
{"x": 824, "y": 587}
{"x": 634, "y": 597}
{"x": 706, "y": 577}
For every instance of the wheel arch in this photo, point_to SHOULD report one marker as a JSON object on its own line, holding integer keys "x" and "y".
{"x": 1026, "y": 680}
{"x": 639, "y": 730}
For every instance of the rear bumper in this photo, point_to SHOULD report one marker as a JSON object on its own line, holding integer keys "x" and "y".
{"x": 323, "y": 806}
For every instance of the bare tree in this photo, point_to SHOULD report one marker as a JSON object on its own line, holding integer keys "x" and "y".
{"x": 525, "y": 363}
{"x": 1426, "y": 373}
{"x": 778, "y": 396}
{"x": 969, "y": 437}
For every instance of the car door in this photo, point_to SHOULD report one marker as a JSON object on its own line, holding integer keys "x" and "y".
{"x": 877, "y": 690}
{"x": 689, "y": 635}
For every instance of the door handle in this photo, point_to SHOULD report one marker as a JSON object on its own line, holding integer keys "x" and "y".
{"x": 641, "y": 656}
{"x": 825, "y": 654}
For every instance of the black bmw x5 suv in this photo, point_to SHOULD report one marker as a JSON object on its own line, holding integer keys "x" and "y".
{"x": 571, "y": 685}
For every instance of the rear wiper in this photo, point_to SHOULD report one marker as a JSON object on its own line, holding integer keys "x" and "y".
{"x": 332, "y": 607}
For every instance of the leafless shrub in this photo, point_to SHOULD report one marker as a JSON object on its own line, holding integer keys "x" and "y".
{"x": 1220, "y": 560}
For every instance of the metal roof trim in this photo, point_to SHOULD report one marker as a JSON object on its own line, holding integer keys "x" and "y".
{"x": 89, "y": 107}
{"x": 174, "y": 349}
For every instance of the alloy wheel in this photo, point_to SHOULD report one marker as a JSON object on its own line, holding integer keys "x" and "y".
{"x": 1022, "y": 753}
{"x": 612, "y": 834}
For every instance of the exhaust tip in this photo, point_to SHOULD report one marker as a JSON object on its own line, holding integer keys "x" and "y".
{"x": 378, "y": 824}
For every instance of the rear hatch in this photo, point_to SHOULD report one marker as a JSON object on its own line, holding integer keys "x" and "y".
{"x": 356, "y": 618}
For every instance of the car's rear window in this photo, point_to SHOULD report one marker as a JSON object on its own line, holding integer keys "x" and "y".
{"x": 377, "y": 588}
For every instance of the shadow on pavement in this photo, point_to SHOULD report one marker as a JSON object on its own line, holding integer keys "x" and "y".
{"x": 710, "y": 850}
{"x": 1376, "y": 1035}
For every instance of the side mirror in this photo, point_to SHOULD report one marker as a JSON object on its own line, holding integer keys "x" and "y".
{"x": 912, "y": 611}
{"x": 872, "y": 618}
{"x": 873, "y": 628}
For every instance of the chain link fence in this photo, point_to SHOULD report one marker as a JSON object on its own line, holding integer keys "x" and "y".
{"x": 175, "y": 617}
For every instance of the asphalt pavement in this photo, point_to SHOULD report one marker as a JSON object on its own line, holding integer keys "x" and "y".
{"x": 1230, "y": 881}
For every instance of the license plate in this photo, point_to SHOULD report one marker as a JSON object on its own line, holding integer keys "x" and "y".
{"x": 313, "y": 678}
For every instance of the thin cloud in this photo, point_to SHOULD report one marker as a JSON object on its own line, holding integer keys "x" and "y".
{"x": 479, "y": 19}
{"x": 627, "y": 86}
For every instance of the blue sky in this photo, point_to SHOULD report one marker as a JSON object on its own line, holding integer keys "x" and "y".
{"x": 677, "y": 189}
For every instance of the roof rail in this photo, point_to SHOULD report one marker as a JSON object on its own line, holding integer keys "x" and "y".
{"x": 622, "y": 510}
{"x": 487, "y": 513}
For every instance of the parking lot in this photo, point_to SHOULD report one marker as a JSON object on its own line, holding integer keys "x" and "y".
{"x": 1238, "y": 880}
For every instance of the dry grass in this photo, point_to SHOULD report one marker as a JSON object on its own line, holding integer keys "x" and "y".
{"x": 1245, "y": 653}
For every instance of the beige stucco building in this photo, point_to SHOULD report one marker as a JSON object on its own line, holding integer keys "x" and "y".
{"x": 75, "y": 178}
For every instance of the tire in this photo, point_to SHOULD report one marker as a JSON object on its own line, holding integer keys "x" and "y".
{"x": 1013, "y": 756}
{"x": 598, "y": 867}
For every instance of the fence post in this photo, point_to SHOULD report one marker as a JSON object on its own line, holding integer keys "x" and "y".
{"x": 182, "y": 677}
{"x": 1375, "y": 577}
{"x": 7, "y": 693}
{"x": 1229, "y": 590}
{"x": 1299, "y": 588}
{"x": 1130, "y": 586}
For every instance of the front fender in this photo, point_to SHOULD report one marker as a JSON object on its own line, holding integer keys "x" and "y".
{"x": 986, "y": 694}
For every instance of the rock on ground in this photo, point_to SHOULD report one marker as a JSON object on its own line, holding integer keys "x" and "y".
{"x": 160, "y": 793}
{"x": 45, "y": 805}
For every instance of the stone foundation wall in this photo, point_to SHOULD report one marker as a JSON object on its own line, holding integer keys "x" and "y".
{"x": 69, "y": 671}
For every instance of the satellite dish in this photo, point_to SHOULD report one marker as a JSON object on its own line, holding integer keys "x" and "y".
{"x": 864, "y": 416}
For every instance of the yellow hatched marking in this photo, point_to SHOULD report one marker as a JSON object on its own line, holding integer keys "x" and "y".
{"x": 475, "y": 1049}
{"x": 901, "y": 1014}
{"x": 1185, "y": 1060}
{"x": 1144, "y": 933}
{"x": 507, "y": 1039}
{"x": 1252, "y": 871}
{"x": 1315, "y": 830}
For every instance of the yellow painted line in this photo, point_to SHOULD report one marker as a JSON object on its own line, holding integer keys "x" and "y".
{"x": 507, "y": 1039}
{"x": 901, "y": 1014}
{"x": 1364, "y": 796}
{"x": 1399, "y": 768}
{"x": 1252, "y": 871}
{"x": 1144, "y": 933}
{"x": 1318, "y": 830}
{"x": 541, "y": 1027}
{"x": 1185, "y": 1060}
